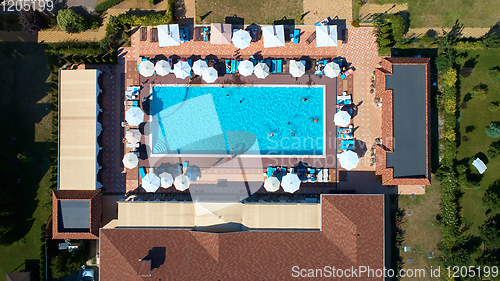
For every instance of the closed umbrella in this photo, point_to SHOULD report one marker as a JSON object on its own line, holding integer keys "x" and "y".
{"x": 130, "y": 160}
{"x": 332, "y": 70}
{"x": 182, "y": 69}
{"x": 272, "y": 184}
{"x": 297, "y": 68}
{"x": 182, "y": 182}
{"x": 146, "y": 68}
{"x": 199, "y": 66}
{"x": 162, "y": 68}
{"x": 150, "y": 182}
{"x": 98, "y": 129}
{"x": 134, "y": 116}
{"x": 133, "y": 136}
{"x": 290, "y": 183}
{"x": 348, "y": 159}
{"x": 166, "y": 180}
{"x": 210, "y": 75}
{"x": 342, "y": 118}
{"x": 261, "y": 70}
{"x": 241, "y": 39}
{"x": 245, "y": 68}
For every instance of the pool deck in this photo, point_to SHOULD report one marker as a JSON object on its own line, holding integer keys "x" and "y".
{"x": 360, "y": 51}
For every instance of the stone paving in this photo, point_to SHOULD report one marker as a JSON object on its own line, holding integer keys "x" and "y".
{"x": 318, "y": 10}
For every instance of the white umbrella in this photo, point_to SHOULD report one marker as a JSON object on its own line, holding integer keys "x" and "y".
{"x": 297, "y": 68}
{"x": 332, "y": 70}
{"x": 146, "y": 68}
{"x": 274, "y": 36}
{"x": 326, "y": 36}
{"x": 166, "y": 180}
{"x": 272, "y": 184}
{"x": 133, "y": 136}
{"x": 134, "y": 116}
{"x": 182, "y": 69}
{"x": 348, "y": 159}
{"x": 290, "y": 183}
{"x": 168, "y": 35}
{"x": 210, "y": 75}
{"x": 245, "y": 68}
{"x": 342, "y": 118}
{"x": 261, "y": 70}
{"x": 199, "y": 66}
{"x": 98, "y": 129}
{"x": 182, "y": 182}
{"x": 241, "y": 39}
{"x": 162, "y": 68}
{"x": 150, "y": 182}
{"x": 130, "y": 160}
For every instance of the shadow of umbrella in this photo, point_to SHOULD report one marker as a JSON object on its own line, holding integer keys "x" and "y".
{"x": 301, "y": 165}
{"x": 360, "y": 148}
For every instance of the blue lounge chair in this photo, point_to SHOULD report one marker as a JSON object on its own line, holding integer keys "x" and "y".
{"x": 268, "y": 62}
{"x": 296, "y": 36}
{"x": 254, "y": 61}
{"x": 279, "y": 67}
{"x": 190, "y": 62}
{"x": 195, "y": 174}
{"x": 143, "y": 59}
{"x": 228, "y": 69}
{"x": 270, "y": 172}
{"x": 233, "y": 66}
{"x": 347, "y": 144}
{"x": 205, "y": 33}
{"x": 171, "y": 170}
{"x": 273, "y": 66}
{"x": 237, "y": 64}
{"x": 253, "y": 34}
{"x": 142, "y": 172}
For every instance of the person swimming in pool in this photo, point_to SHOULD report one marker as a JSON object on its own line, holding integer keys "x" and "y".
{"x": 303, "y": 99}
{"x": 270, "y": 134}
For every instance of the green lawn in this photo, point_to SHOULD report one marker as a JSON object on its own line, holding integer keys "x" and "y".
{"x": 421, "y": 232}
{"x": 252, "y": 11}
{"x": 477, "y": 114}
{"x": 443, "y": 13}
{"x": 26, "y": 129}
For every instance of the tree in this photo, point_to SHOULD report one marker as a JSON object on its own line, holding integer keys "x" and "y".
{"x": 490, "y": 233}
{"x": 493, "y": 106}
{"x": 494, "y": 72}
{"x": 493, "y": 130}
{"x": 398, "y": 26}
{"x": 71, "y": 21}
{"x": 479, "y": 92}
{"x": 494, "y": 149}
{"x": 491, "y": 198}
{"x": 31, "y": 21}
{"x": 491, "y": 41}
{"x": 66, "y": 262}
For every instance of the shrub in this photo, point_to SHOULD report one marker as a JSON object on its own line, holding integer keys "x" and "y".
{"x": 384, "y": 42}
{"x": 493, "y": 130}
{"x": 467, "y": 45}
{"x": 152, "y": 2}
{"x": 465, "y": 139}
{"x": 466, "y": 72}
{"x": 384, "y": 50}
{"x": 490, "y": 233}
{"x": 493, "y": 106}
{"x": 386, "y": 28}
{"x": 398, "y": 26}
{"x": 71, "y": 21}
{"x": 355, "y": 23}
{"x": 170, "y": 11}
{"x": 450, "y": 77}
{"x": 65, "y": 262}
{"x": 461, "y": 60}
{"x": 450, "y": 106}
{"x": 470, "y": 129}
{"x": 200, "y": 19}
{"x": 450, "y": 135}
{"x": 491, "y": 198}
{"x": 94, "y": 25}
{"x": 491, "y": 41}
{"x": 101, "y": 7}
{"x": 494, "y": 72}
{"x": 494, "y": 149}
{"x": 426, "y": 40}
{"x": 31, "y": 21}
{"x": 443, "y": 62}
{"x": 480, "y": 92}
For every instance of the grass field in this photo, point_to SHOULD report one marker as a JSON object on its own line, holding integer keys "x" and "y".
{"x": 26, "y": 128}
{"x": 420, "y": 231}
{"x": 477, "y": 114}
{"x": 252, "y": 11}
{"x": 443, "y": 13}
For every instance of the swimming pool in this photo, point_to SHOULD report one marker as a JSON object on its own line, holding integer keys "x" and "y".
{"x": 249, "y": 120}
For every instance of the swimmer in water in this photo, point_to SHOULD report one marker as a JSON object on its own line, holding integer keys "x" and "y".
{"x": 270, "y": 134}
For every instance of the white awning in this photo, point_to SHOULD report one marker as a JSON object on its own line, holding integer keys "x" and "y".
{"x": 168, "y": 35}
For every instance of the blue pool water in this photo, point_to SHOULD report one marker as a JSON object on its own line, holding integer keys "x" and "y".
{"x": 235, "y": 120}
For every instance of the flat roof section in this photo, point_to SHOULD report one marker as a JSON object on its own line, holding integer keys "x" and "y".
{"x": 408, "y": 83}
{"x": 74, "y": 215}
{"x": 77, "y": 129}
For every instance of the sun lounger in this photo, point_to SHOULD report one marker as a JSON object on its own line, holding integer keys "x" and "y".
{"x": 348, "y": 72}
{"x": 131, "y": 103}
{"x": 237, "y": 64}
{"x": 228, "y": 69}
{"x": 270, "y": 172}
{"x": 206, "y": 32}
{"x": 344, "y": 99}
{"x": 132, "y": 145}
{"x": 142, "y": 172}
{"x": 233, "y": 66}
{"x": 190, "y": 62}
{"x": 347, "y": 144}
{"x": 171, "y": 171}
{"x": 326, "y": 177}
{"x": 274, "y": 66}
{"x": 311, "y": 38}
{"x": 253, "y": 34}
{"x": 195, "y": 174}
{"x": 344, "y": 136}
{"x": 296, "y": 36}
{"x": 179, "y": 170}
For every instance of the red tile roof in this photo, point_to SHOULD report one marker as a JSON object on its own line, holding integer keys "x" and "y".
{"x": 352, "y": 234}
{"x": 95, "y": 213}
{"x": 387, "y": 174}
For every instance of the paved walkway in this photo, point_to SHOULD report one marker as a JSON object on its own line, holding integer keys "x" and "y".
{"x": 17, "y": 36}
{"x": 318, "y": 10}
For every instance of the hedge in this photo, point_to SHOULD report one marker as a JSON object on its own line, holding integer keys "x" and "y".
{"x": 117, "y": 23}
{"x": 106, "y": 5}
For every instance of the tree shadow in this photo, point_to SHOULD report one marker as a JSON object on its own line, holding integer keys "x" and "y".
{"x": 205, "y": 15}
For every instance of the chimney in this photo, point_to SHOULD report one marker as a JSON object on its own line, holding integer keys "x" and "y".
{"x": 144, "y": 267}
